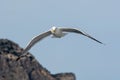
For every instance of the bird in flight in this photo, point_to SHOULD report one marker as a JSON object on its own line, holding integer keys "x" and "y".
{"x": 56, "y": 32}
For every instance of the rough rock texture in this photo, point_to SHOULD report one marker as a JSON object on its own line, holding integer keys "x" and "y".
{"x": 27, "y": 68}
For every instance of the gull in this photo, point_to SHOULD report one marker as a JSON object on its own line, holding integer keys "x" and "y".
{"x": 56, "y": 32}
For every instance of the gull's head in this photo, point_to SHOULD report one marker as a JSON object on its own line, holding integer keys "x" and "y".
{"x": 53, "y": 29}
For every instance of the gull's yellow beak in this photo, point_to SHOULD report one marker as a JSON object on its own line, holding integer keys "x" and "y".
{"x": 53, "y": 29}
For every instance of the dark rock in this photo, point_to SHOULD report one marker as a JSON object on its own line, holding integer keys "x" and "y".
{"x": 26, "y": 68}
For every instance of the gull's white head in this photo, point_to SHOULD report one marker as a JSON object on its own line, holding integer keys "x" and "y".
{"x": 53, "y": 29}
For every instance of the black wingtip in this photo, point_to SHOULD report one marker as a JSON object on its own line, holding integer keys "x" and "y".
{"x": 18, "y": 58}
{"x": 100, "y": 42}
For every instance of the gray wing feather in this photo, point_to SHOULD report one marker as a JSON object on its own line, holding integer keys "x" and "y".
{"x": 35, "y": 40}
{"x": 79, "y": 32}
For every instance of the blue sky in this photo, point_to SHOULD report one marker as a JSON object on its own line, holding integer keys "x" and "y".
{"x": 21, "y": 20}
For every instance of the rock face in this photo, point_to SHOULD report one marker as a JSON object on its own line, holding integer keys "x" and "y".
{"x": 27, "y": 68}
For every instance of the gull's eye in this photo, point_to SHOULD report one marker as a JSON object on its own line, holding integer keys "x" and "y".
{"x": 54, "y": 30}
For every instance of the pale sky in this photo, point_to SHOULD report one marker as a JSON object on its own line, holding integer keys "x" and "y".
{"x": 21, "y": 20}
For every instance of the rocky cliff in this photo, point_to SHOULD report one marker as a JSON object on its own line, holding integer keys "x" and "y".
{"x": 27, "y": 68}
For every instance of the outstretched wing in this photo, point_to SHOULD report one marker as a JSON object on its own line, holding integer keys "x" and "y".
{"x": 35, "y": 40}
{"x": 79, "y": 32}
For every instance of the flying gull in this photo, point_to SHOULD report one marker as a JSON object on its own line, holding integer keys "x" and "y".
{"x": 56, "y": 32}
